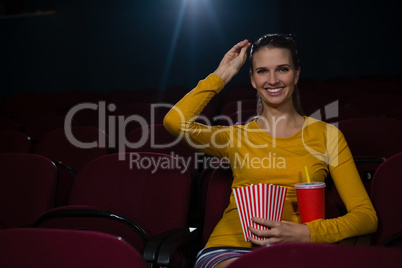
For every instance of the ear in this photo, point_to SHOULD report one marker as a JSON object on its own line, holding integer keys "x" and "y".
{"x": 252, "y": 80}
{"x": 297, "y": 76}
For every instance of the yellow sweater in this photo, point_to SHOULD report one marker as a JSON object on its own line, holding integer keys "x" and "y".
{"x": 256, "y": 157}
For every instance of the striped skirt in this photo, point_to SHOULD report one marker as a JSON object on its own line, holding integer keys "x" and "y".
{"x": 209, "y": 257}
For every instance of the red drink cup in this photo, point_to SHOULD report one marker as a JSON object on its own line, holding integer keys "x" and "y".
{"x": 311, "y": 200}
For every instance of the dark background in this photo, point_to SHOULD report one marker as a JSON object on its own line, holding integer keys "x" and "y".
{"x": 107, "y": 45}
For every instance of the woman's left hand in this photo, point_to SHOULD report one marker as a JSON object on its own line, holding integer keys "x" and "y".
{"x": 279, "y": 232}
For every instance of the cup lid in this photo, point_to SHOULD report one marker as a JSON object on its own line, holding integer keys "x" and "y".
{"x": 311, "y": 185}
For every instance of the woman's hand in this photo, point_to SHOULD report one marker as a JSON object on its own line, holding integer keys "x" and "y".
{"x": 279, "y": 232}
{"x": 233, "y": 61}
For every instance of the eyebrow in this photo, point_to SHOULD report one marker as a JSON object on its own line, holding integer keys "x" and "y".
{"x": 278, "y": 66}
{"x": 284, "y": 65}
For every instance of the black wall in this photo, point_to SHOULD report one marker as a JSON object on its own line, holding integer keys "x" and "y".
{"x": 103, "y": 45}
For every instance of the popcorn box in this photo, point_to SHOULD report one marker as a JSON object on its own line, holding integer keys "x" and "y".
{"x": 262, "y": 201}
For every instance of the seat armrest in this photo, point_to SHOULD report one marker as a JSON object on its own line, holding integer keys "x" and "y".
{"x": 154, "y": 243}
{"x": 394, "y": 241}
{"x": 361, "y": 240}
{"x": 90, "y": 212}
{"x": 185, "y": 238}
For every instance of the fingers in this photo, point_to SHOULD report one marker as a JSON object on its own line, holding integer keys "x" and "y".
{"x": 258, "y": 242}
{"x": 266, "y": 223}
{"x": 271, "y": 225}
{"x": 259, "y": 233}
{"x": 281, "y": 231}
{"x": 271, "y": 235}
{"x": 267, "y": 237}
{"x": 243, "y": 51}
{"x": 264, "y": 242}
{"x": 241, "y": 47}
{"x": 271, "y": 232}
{"x": 242, "y": 44}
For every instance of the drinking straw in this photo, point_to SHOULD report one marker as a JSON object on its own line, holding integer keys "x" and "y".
{"x": 307, "y": 175}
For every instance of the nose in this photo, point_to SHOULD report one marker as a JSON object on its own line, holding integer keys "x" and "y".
{"x": 272, "y": 78}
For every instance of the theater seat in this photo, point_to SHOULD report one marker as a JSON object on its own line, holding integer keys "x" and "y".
{"x": 49, "y": 248}
{"x": 27, "y": 188}
{"x": 71, "y": 157}
{"x": 313, "y": 255}
{"x": 386, "y": 195}
{"x": 125, "y": 194}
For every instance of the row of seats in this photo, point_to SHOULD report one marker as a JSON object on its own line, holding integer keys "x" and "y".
{"x": 339, "y": 88}
{"x": 70, "y": 248}
{"x": 115, "y": 193}
{"x": 37, "y": 123}
{"x": 371, "y": 140}
{"x": 327, "y": 109}
{"x": 148, "y": 208}
{"x": 366, "y": 136}
{"x": 372, "y": 97}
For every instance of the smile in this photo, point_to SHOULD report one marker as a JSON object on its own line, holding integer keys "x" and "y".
{"x": 274, "y": 90}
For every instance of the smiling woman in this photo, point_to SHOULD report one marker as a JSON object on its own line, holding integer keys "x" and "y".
{"x": 273, "y": 149}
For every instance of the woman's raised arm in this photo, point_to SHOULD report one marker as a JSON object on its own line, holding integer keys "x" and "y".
{"x": 233, "y": 60}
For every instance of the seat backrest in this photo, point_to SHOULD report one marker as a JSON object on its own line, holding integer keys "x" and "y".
{"x": 38, "y": 127}
{"x": 159, "y": 140}
{"x": 57, "y": 146}
{"x": 13, "y": 141}
{"x": 150, "y": 188}
{"x": 373, "y": 137}
{"x": 334, "y": 206}
{"x": 144, "y": 110}
{"x": 48, "y": 248}
{"x": 27, "y": 189}
{"x": 395, "y": 112}
{"x": 238, "y": 92}
{"x": 8, "y": 124}
{"x": 386, "y": 195}
{"x": 376, "y": 105}
{"x": 314, "y": 255}
{"x": 238, "y": 106}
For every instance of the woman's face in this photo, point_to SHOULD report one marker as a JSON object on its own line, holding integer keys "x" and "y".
{"x": 274, "y": 76}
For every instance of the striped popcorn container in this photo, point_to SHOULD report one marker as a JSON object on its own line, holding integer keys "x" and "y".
{"x": 262, "y": 201}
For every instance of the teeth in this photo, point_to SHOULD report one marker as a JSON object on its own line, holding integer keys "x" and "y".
{"x": 274, "y": 90}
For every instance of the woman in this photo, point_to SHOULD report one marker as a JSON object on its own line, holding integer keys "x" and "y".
{"x": 281, "y": 132}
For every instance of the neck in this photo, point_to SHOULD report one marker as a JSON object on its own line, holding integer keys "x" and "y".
{"x": 280, "y": 122}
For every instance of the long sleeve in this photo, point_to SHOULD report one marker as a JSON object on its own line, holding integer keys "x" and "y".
{"x": 361, "y": 217}
{"x": 180, "y": 120}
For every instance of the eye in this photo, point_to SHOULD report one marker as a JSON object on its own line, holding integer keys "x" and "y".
{"x": 261, "y": 71}
{"x": 283, "y": 69}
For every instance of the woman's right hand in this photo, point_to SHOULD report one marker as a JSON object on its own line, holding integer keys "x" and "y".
{"x": 233, "y": 61}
